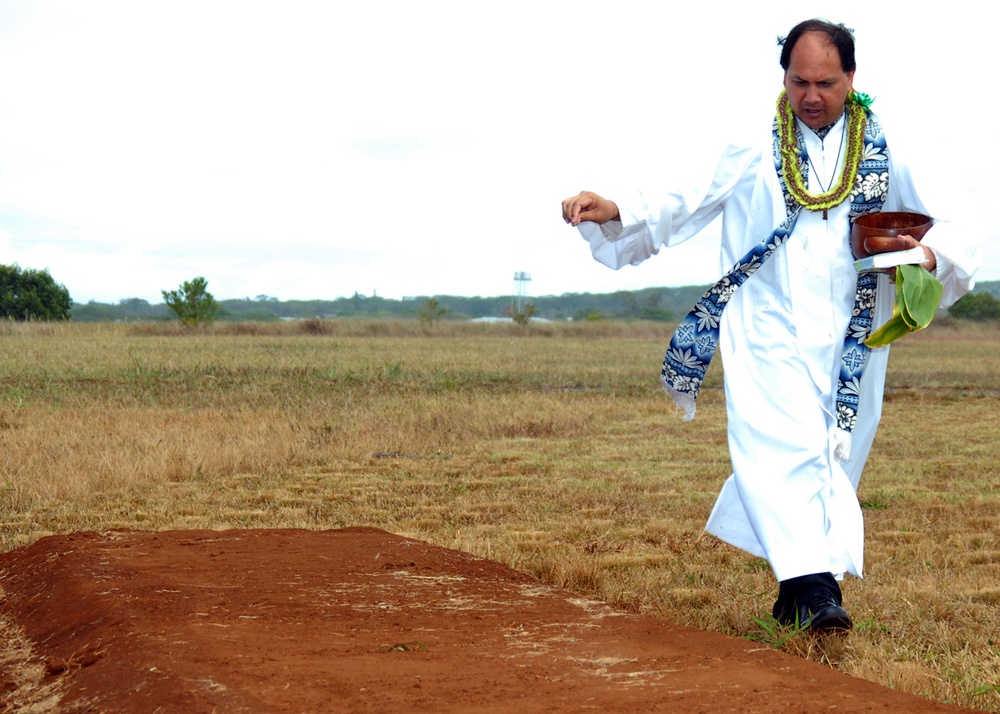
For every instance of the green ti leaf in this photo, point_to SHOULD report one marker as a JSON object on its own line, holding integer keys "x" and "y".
{"x": 895, "y": 328}
{"x": 901, "y": 305}
{"x": 921, "y": 294}
{"x": 918, "y": 294}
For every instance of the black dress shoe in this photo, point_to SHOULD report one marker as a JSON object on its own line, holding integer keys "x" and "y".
{"x": 812, "y": 601}
{"x": 822, "y": 613}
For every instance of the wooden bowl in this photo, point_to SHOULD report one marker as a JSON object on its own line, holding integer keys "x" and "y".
{"x": 877, "y": 232}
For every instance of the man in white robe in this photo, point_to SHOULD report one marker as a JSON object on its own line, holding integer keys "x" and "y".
{"x": 789, "y": 499}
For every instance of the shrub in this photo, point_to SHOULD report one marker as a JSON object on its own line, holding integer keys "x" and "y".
{"x": 192, "y": 303}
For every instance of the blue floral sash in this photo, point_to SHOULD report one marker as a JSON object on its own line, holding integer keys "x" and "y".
{"x": 694, "y": 342}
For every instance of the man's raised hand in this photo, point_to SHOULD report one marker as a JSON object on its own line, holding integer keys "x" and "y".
{"x": 588, "y": 206}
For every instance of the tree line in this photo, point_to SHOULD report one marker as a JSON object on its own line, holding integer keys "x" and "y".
{"x": 27, "y": 294}
{"x": 663, "y": 304}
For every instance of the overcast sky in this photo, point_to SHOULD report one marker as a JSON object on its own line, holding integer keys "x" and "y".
{"x": 314, "y": 149}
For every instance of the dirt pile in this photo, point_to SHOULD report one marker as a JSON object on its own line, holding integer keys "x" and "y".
{"x": 360, "y": 620}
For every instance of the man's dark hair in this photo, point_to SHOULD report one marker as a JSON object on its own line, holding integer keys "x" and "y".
{"x": 840, "y": 37}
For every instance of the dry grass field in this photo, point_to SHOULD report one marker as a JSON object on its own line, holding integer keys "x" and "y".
{"x": 551, "y": 449}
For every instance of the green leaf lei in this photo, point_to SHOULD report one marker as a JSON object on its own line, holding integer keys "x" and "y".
{"x": 791, "y": 168}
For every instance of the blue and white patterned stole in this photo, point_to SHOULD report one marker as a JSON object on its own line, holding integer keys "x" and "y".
{"x": 695, "y": 340}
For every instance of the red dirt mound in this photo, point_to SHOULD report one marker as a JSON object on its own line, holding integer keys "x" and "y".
{"x": 362, "y": 620}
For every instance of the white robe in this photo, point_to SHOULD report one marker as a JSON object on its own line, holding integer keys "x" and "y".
{"x": 781, "y": 338}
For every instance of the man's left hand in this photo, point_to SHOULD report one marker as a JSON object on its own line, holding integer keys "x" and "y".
{"x": 931, "y": 262}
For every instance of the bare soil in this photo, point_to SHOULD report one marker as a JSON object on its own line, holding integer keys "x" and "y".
{"x": 361, "y": 620}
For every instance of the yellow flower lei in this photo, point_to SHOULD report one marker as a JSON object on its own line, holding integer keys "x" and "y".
{"x": 788, "y": 135}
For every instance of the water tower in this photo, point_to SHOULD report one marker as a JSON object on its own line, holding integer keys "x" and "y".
{"x": 521, "y": 281}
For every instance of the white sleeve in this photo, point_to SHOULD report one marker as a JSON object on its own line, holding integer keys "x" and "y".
{"x": 957, "y": 260}
{"x": 651, "y": 220}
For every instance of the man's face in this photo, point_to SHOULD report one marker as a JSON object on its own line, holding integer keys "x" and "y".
{"x": 816, "y": 83}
